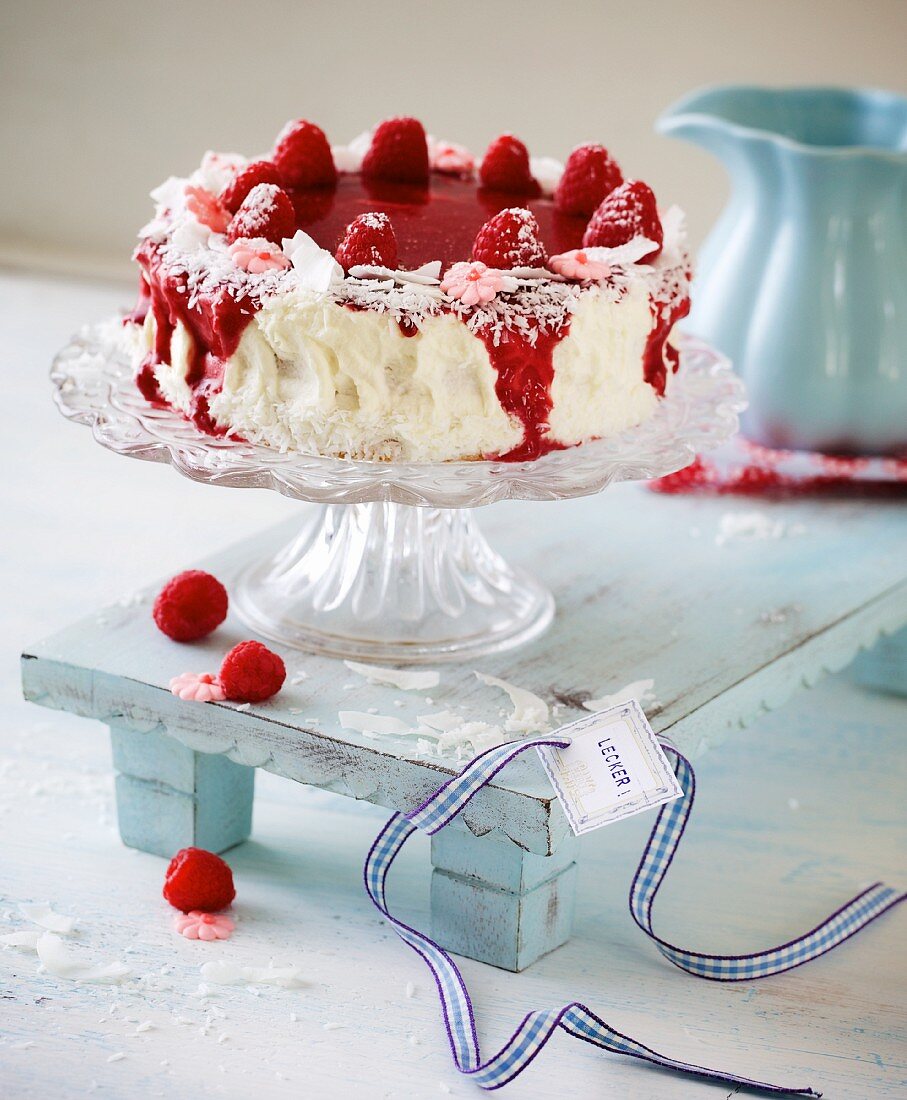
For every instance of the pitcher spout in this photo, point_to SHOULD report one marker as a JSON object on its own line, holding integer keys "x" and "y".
{"x": 702, "y": 118}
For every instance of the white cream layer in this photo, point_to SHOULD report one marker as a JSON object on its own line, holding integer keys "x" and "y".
{"x": 311, "y": 375}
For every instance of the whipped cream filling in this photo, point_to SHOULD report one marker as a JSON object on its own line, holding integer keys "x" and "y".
{"x": 313, "y": 376}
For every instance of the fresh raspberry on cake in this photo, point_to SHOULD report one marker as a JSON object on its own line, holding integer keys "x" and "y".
{"x": 197, "y": 880}
{"x": 303, "y": 156}
{"x": 510, "y": 239}
{"x": 589, "y": 175}
{"x": 251, "y": 673}
{"x": 629, "y": 211}
{"x": 505, "y": 167}
{"x": 265, "y": 212}
{"x": 398, "y": 152}
{"x": 190, "y": 606}
{"x": 368, "y": 240}
{"x": 259, "y": 171}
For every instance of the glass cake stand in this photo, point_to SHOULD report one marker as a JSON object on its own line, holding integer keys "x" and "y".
{"x": 392, "y": 566}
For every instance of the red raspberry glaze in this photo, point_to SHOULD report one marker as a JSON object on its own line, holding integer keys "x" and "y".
{"x": 190, "y": 606}
{"x": 251, "y": 673}
{"x": 196, "y": 879}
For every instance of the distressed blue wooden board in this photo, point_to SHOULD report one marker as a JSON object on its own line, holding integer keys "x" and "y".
{"x": 644, "y": 590}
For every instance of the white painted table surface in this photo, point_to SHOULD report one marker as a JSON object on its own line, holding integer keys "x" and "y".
{"x": 792, "y": 817}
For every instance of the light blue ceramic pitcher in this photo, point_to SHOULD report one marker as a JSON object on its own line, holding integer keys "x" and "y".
{"x": 803, "y": 280}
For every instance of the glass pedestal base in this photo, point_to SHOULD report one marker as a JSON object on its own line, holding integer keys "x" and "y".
{"x": 388, "y": 582}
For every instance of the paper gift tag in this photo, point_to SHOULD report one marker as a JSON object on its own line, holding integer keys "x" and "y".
{"x": 613, "y": 768}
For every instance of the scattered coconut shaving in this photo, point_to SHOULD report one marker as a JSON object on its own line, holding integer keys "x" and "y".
{"x": 754, "y": 526}
{"x": 26, "y": 940}
{"x": 404, "y": 679}
{"x": 45, "y": 917}
{"x": 58, "y": 960}
{"x": 223, "y": 972}
{"x": 530, "y": 713}
{"x": 368, "y": 724}
{"x": 643, "y": 691}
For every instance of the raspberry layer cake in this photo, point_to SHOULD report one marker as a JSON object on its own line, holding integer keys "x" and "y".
{"x": 394, "y": 300}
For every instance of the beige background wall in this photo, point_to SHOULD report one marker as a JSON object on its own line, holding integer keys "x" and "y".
{"x": 101, "y": 99}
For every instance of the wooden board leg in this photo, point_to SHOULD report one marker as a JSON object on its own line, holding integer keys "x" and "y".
{"x": 884, "y": 667}
{"x": 169, "y": 797}
{"x": 494, "y": 902}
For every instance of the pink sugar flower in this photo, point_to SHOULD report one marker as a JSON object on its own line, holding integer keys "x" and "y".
{"x": 198, "y": 687}
{"x": 257, "y": 255}
{"x": 203, "y": 926}
{"x": 447, "y": 156}
{"x": 475, "y": 283}
{"x": 578, "y": 264}
{"x": 207, "y": 209}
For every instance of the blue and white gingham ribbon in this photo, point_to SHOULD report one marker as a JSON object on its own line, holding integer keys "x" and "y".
{"x": 662, "y": 844}
{"x": 576, "y": 1019}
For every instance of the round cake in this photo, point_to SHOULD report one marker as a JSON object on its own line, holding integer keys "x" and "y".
{"x": 395, "y": 300}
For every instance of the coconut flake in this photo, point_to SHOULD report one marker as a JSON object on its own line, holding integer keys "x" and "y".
{"x": 474, "y": 737}
{"x": 428, "y": 275}
{"x": 316, "y": 269}
{"x": 217, "y": 170}
{"x": 640, "y": 690}
{"x": 547, "y": 171}
{"x": 404, "y": 679}
{"x": 750, "y": 526}
{"x": 45, "y": 917}
{"x": 360, "y": 722}
{"x": 223, "y": 972}
{"x": 530, "y": 713}
{"x": 58, "y": 960}
{"x": 348, "y": 158}
{"x": 442, "y": 720}
{"x": 26, "y": 940}
{"x": 627, "y": 253}
{"x": 171, "y": 194}
{"x": 189, "y": 235}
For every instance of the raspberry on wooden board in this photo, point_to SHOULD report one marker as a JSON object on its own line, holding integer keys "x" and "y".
{"x": 251, "y": 673}
{"x": 190, "y": 606}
